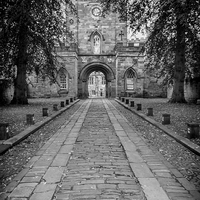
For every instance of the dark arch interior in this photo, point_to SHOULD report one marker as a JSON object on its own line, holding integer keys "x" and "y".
{"x": 88, "y": 69}
{"x": 106, "y": 70}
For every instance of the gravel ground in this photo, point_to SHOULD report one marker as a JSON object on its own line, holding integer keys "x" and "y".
{"x": 184, "y": 160}
{"x": 15, "y": 115}
{"x": 12, "y": 162}
{"x": 180, "y": 114}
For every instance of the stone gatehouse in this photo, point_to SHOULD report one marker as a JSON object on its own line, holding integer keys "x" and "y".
{"x": 99, "y": 44}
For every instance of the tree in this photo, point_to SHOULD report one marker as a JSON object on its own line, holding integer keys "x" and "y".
{"x": 28, "y": 33}
{"x": 173, "y": 42}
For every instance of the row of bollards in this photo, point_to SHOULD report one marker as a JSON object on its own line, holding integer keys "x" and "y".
{"x": 30, "y": 120}
{"x": 55, "y": 106}
{"x": 192, "y": 128}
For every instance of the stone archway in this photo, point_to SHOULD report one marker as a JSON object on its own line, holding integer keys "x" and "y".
{"x": 87, "y": 70}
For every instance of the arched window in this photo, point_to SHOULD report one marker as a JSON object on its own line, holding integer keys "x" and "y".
{"x": 96, "y": 38}
{"x": 63, "y": 78}
{"x": 130, "y": 79}
{"x": 63, "y": 81}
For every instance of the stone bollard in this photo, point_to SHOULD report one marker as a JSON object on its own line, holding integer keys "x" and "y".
{"x": 62, "y": 104}
{"x": 132, "y": 103}
{"x": 4, "y": 131}
{"x": 55, "y": 107}
{"x": 45, "y": 112}
{"x": 139, "y": 106}
{"x": 71, "y": 99}
{"x": 166, "y": 119}
{"x": 192, "y": 130}
{"x": 30, "y": 119}
{"x": 149, "y": 111}
{"x": 123, "y": 99}
{"x": 67, "y": 101}
{"x": 126, "y": 101}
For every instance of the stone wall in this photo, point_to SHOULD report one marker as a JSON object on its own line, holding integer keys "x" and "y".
{"x": 109, "y": 28}
{"x": 129, "y": 57}
{"x": 70, "y": 62}
{"x": 39, "y": 86}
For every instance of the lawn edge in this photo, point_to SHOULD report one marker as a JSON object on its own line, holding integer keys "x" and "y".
{"x": 9, "y": 143}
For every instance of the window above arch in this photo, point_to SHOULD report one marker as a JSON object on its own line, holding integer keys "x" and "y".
{"x": 96, "y": 44}
{"x": 96, "y": 39}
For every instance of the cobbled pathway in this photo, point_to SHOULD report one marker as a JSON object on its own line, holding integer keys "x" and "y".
{"x": 98, "y": 168}
{"x": 98, "y": 155}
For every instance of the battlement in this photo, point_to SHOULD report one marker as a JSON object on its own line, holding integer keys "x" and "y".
{"x": 130, "y": 46}
{"x": 72, "y": 47}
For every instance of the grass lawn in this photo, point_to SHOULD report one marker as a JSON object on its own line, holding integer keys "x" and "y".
{"x": 15, "y": 115}
{"x": 180, "y": 114}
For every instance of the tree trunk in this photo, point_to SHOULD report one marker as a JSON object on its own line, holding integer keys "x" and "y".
{"x": 179, "y": 70}
{"x": 20, "y": 84}
{"x": 20, "y": 93}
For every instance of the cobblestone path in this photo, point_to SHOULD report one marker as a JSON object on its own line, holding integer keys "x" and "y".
{"x": 97, "y": 154}
{"x": 98, "y": 168}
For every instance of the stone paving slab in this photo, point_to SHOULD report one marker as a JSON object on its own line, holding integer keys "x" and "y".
{"x": 152, "y": 189}
{"x": 42, "y": 166}
{"x": 158, "y": 165}
{"x": 97, "y": 154}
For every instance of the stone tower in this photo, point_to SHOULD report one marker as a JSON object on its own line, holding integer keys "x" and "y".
{"x": 99, "y": 44}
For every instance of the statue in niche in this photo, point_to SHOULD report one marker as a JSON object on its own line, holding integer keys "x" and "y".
{"x": 97, "y": 44}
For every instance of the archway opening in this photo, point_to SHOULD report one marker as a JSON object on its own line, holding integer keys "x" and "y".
{"x": 97, "y": 85}
{"x": 104, "y": 73}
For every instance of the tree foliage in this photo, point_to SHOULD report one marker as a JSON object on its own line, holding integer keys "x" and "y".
{"x": 173, "y": 44}
{"x": 29, "y": 30}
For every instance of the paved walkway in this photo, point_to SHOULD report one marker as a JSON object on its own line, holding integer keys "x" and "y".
{"x": 97, "y": 154}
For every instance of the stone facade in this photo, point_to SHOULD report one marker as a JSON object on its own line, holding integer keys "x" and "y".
{"x": 98, "y": 44}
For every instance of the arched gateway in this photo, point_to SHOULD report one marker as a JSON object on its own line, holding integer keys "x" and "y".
{"x": 100, "y": 44}
{"x": 100, "y": 67}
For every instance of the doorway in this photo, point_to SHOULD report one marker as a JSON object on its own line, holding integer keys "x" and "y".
{"x": 97, "y": 85}
{"x": 103, "y": 73}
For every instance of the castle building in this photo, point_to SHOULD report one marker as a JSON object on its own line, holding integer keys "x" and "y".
{"x": 99, "y": 45}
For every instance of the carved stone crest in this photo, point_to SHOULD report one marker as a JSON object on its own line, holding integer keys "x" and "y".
{"x": 135, "y": 61}
{"x": 84, "y": 59}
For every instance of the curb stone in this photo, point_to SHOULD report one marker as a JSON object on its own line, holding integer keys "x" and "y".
{"x": 9, "y": 143}
{"x": 184, "y": 141}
